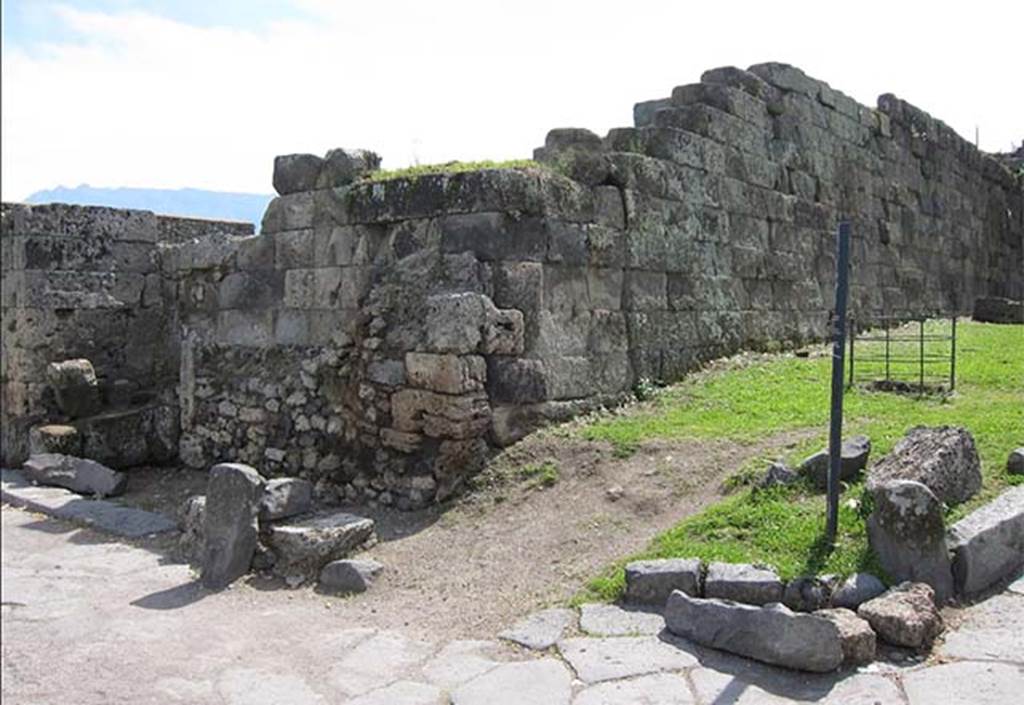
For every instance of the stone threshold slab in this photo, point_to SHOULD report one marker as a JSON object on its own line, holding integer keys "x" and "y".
{"x": 100, "y": 514}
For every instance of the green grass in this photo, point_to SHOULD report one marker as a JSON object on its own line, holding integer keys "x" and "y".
{"x": 783, "y": 526}
{"x": 450, "y": 168}
{"x": 540, "y": 475}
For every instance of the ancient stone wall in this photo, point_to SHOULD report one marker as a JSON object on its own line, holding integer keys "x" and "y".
{"x": 381, "y": 336}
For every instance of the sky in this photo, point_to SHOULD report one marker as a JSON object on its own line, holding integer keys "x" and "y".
{"x": 204, "y": 93}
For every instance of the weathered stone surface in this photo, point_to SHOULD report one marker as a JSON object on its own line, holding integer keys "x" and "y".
{"x": 857, "y": 589}
{"x": 855, "y": 634}
{"x": 611, "y": 620}
{"x": 651, "y": 582}
{"x": 349, "y": 575}
{"x": 596, "y": 660}
{"x": 906, "y": 530}
{"x": 992, "y": 629}
{"x": 541, "y": 682}
{"x": 343, "y": 166}
{"x": 853, "y": 458}
{"x": 285, "y": 497}
{"x": 192, "y": 520}
{"x": 296, "y": 172}
{"x": 461, "y": 661}
{"x": 743, "y": 583}
{"x": 904, "y": 615}
{"x": 75, "y": 386}
{"x": 657, "y": 688}
{"x": 55, "y": 438}
{"x": 974, "y": 682}
{"x": 304, "y": 545}
{"x": 231, "y": 528}
{"x": 998, "y": 309}
{"x": 1015, "y": 462}
{"x": 944, "y": 459}
{"x": 772, "y": 634}
{"x": 805, "y": 594}
{"x": 124, "y": 438}
{"x": 540, "y": 630}
{"x": 450, "y": 374}
{"x": 79, "y": 475}
{"x": 777, "y": 474}
{"x": 988, "y": 544}
{"x": 401, "y": 693}
{"x": 368, "y": 661}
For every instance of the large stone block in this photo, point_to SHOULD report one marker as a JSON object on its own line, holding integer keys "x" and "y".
{"x": 79, "y": 475}
{"x": 230, "y": 523}
{"x": 291, "y": 212}
{"x": 75, "y": 386}
{"x": 743, "y": 583}
{"x": 296, "y": 172}
{"x": 944, "y": 459}
{"x": 284, "y": 497}
{"x": 988, "y": 544}
{"x": 468, "y": 323}
{"x": 450, "y": 374}
{"x": 516, "y": 380}
{"x": 341, "y": 167}
{"x": 651, "y": 582}
{"x": 304, "y": 546}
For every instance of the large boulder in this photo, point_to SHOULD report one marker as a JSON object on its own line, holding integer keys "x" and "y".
{"x": 856, "y": 590}
{"x": 943, "y": 459}
{"x": 86, "y": 477}
{"x": 285, "y": 497}
{"x": 230, "y": 526}
{"x": 988, "y": 544}
{"x": 853, "y": 457}
{"x": 305, "y": 545}
{"x": 855, "y": 634}
{"x": 651, "y": 582}
{"x": 904, "y": 615}
{"x": 743, "y": 583}
{"x": 75, "y": 386}
{"x": 772, "y": 634}
{"x": 907, "y": 531}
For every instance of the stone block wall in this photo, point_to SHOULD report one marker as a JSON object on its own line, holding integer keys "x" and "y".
{"x": 381, "y": 337}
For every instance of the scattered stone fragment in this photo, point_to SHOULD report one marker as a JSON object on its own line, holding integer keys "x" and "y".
{"x": 192, "y": 521}
{"x": 1015, "y": 463}
{"x": 614, "y": 493}
{"x": 743, "y": 582}
{"x": 55, "y": 438}
{"x": 988, "y": 544}
{"x": 305, "y": 545}
{"x": 778, "y": 473}
{"x": 855, "y": 634}
{"x": 943, "y": 459}
{"x": 285, "y": 497}
{"x": 853, "y": 458}
{"x": 904, "y": 615}
{"x": 857, "y": 589}
{"x": 805, "y": 594}
{"x": 75, "y": 387}
{"x": 540, "y": 682}
{"x": 86, "y": 477}
{"x": 907, "y": 532}
{"x": 651, "y": 582}
{"x": 350, "y": 575}
{"x": 611, "y": 620}
{"x": 772, "y": 634}
{"x": 232, "y": 504}
{"x": 596, "y": 660}
{"x": 660, "y": 688}
{"x": 540, "y": 630}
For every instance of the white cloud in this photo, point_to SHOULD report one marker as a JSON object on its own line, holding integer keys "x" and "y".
{"x": 145, "y": 101}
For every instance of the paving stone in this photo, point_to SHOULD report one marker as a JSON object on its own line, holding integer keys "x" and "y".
{"x": 230, "y": 524}
{"x": 974, "y": 682}
{"x": 612, "y": 620}
{"x": 540, "y": 630}
{"x": 857, "y": 589}
{"x": 864, "y": 689}
{"x": 651, "y": 582}
{"x": 655, "y": 689}
{"x": 726, "y": 689}
{"x": 988, "y": 544}
{"x": 904, "y": 615}
{"x": 348, "y": 575}
{"x": 461, "y": 661}
{"x": 596, "y": 660}
{"x": 541, "y": 682}
{"x": 743, "y": 583}
{"x": 376, "y": 661}
{"x": 86, "y": 477}
{"x": 285, "y": 497}
{"x": 252, "y": 686}
{"x": 991, "y": 630}
{"x": 401, "y": 693}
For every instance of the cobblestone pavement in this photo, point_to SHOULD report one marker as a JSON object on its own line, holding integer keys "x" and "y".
{"x": 90, "y": 621}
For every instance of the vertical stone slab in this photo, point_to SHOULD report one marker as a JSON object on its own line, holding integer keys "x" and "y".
{"x": 232, "y": 509}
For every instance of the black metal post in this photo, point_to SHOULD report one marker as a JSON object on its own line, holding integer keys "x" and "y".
{"x": 920, "y": 353}
{"x": 952, "y": 354}
{"x": 887, "y": 349}
{"x": 835, "y": 437}
{"x": 853, "y": 337}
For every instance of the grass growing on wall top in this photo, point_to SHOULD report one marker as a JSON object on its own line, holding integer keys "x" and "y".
{"x": 450, "y": 168}
{"x": 782, "y": 526}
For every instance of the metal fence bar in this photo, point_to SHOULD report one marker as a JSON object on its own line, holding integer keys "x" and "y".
{"x": 952, "y": 354}
{"x": 920, "y": 386}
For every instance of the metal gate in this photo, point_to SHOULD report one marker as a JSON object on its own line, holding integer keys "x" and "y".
{"x": 903, "y": 353}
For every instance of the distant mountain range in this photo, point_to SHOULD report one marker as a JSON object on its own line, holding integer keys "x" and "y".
{"x": 196, "y": 203}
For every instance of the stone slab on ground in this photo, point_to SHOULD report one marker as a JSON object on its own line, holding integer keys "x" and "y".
{"x": 374, "y": 662}
{"x": 742, "y": 582}
{"x": 974, "y": 682}
{"x": 905, "y": 615}
{"x": 991, "y": 630}
{"x": 540, "y": 630}
{"x": 86, "y": 477}
{"x": 305, "y": 545}
{"x": 96, "y": 513}
{"x": 461, "y": 661}
{"x": 599, "y": 619}
{"x": 772, "y": 634}
{"x": 988, "y": 544}
{"x": 656, "y": 689}
{"x": 401, "y": 693}
{"x": 651, "y": 582}
{"x": 998, "y": 309}
{"x": 598, "y": 659}
{"x": 541, "y": 682}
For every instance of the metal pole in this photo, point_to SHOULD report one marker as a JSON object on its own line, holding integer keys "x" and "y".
{"x": 952, "y": 355}
{"x": 920, "y": 327}
{"x": 886, "y": 349}
{"x": 835, "y": 436}
{"x": 853, "y": 336}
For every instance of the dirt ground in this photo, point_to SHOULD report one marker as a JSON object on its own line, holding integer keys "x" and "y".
{"x": 511, "y": 544}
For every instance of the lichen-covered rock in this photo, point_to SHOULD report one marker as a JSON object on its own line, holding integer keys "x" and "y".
{"x": 79, "y": 475}
{"x": 904, "y": 615}
{"x": 943, "y": 459}
{"x": 75, "y": 387}
{"x": 230, "y": 524}
{"x": 651, "y": 582}
{"x": 743, "y": 583}
{"x": 343, "y": 166}
{"x": 855, "y": 634}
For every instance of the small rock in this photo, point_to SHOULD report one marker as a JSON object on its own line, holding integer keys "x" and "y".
{"x": 1015, "y": 463}
{"x": 777, "y": 474}
{"x": 614, "y": 493}
{"x": 540, "y": 630}
{"x": 855, "y": 635}
{"x": 350, "y": 575}
{"x": 75, "y": 387}
{"x": 853, "y": 458}
{"x": 805, "y": 594}
{"x": 944, "y": 459}
{"x": 651, "y": 582}
{"x": 284, "y": 497}
{"x": 856, "y": 590}
{"x": 904, "y": 615}
{"x": 743, "y": 582}
{"x": 192, "y": 520}
{"x": 55, "y": 438}
{"x": 86, "y": 477}
{"x": 231, "y": 528}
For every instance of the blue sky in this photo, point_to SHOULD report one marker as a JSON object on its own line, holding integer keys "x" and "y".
{"x": 204, "y": 94}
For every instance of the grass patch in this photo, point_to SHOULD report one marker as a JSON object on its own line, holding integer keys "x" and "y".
{"x": 540, "y": 475}
{"x": 450, "y": 168}
{"x": 782, "y": 526}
